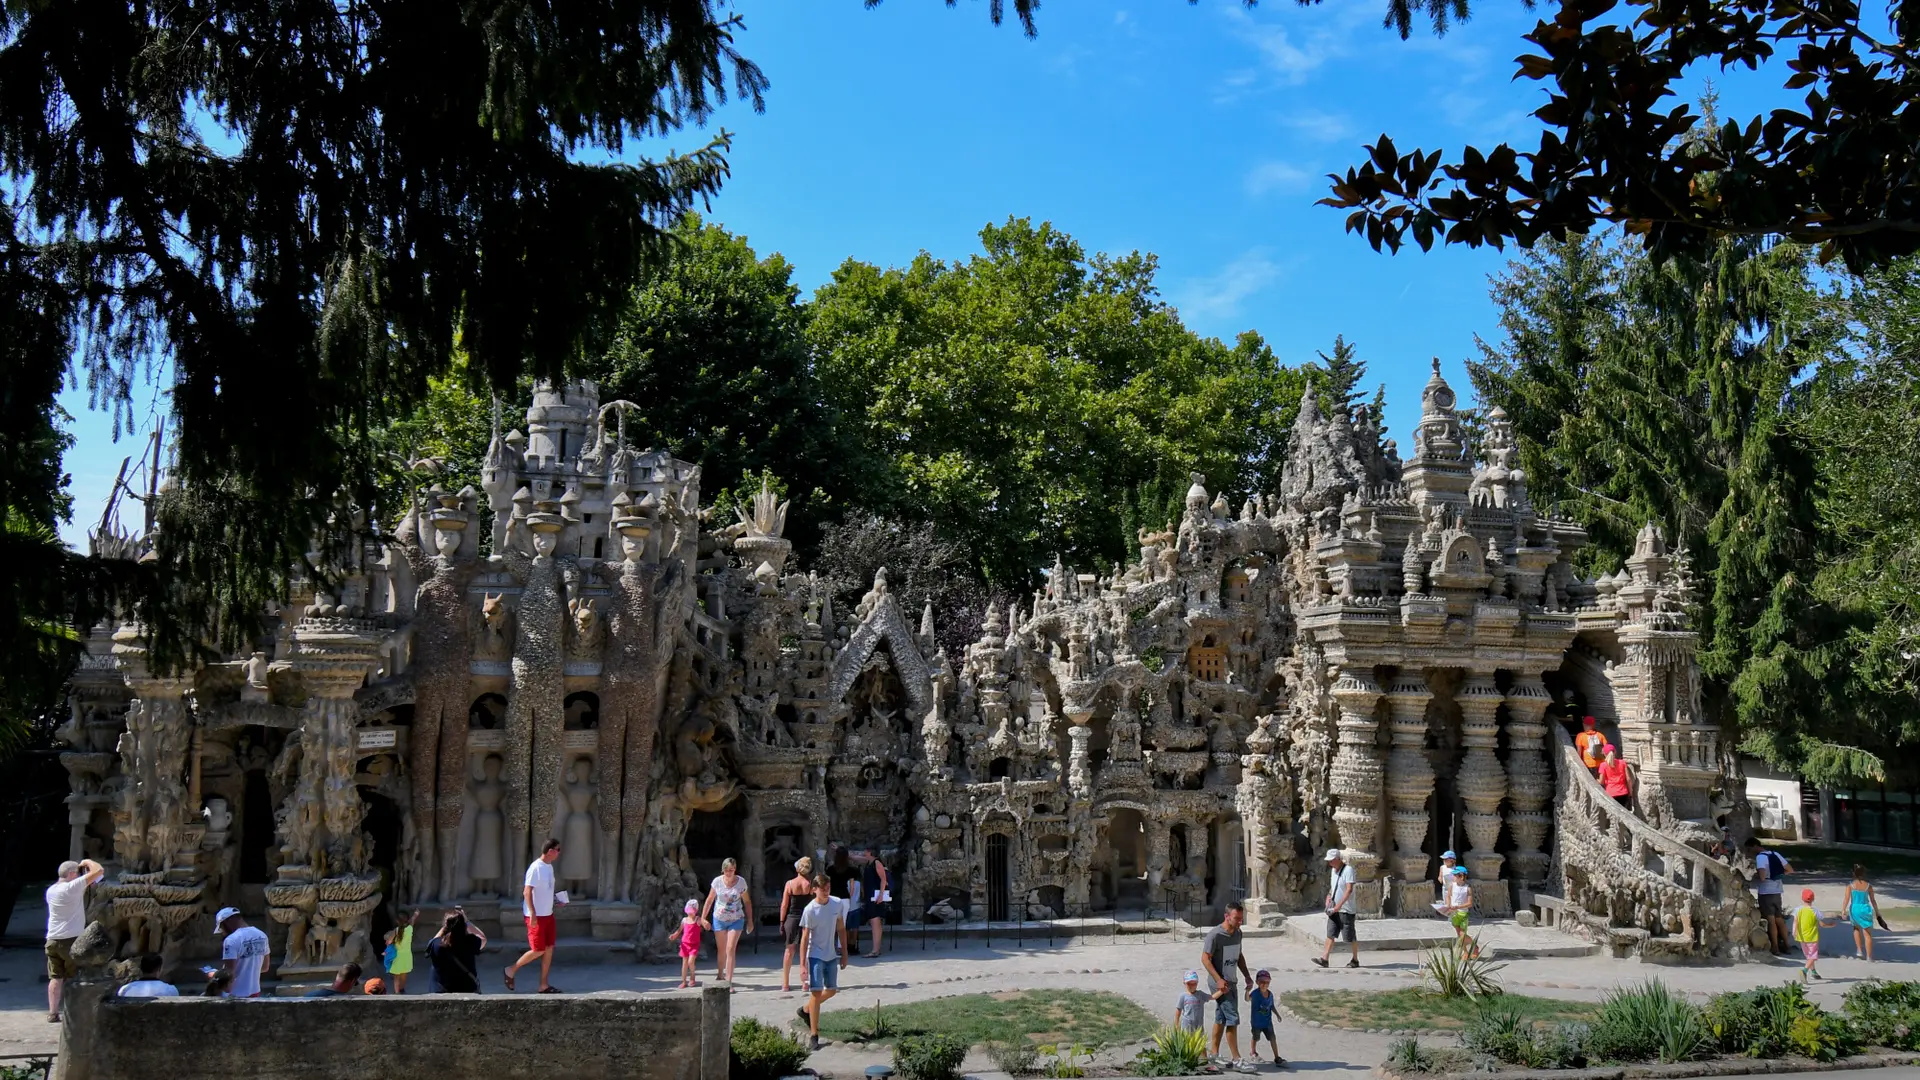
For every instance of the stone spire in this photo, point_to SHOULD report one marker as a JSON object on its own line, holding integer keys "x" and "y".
{"x": 1322, "y": 467}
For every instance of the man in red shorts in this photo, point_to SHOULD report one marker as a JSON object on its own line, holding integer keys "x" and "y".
{"x": 536, "y": 905}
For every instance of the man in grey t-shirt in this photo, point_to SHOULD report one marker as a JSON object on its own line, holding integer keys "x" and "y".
{"x": 1220, "y": 955}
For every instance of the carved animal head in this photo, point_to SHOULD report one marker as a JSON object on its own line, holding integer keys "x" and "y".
{"x": 586, "y": 616}
{"x": 493, "y": 610}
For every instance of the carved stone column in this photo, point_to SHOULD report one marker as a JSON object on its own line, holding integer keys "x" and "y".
{"x": 1079, "y": 771}
{"x": 1263, "y": 802}
{"x": 1529, "y": 781}
{"x": 1482, "y": 784}
{"x": 1157, "y": 860}
{"x": 150, "y": 815}
{"x": 333, "y": 656}
{"x": 1357, "y": 780}
{"x": 1409, "y": 784}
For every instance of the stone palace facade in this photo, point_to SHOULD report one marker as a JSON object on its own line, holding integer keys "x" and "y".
{"x": 1380, "y": 657}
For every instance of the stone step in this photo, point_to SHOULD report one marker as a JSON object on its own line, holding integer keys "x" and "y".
{"x": 1503, "y": 938}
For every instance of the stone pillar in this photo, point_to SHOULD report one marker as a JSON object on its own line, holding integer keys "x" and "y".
{"x": 333, "y": 656}
{"x": 1079, "y": 772}
{"x": 1529, "y": 781}
{"x": 150, "y": 816}
{"x": 1357, "y": 781}
{"x": 1482, "y": 784}
{"x": 1157, "y": 860}
{"x": 1409, "y": 784}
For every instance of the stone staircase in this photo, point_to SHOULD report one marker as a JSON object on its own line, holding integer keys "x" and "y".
{"x": 1632, "y": 888}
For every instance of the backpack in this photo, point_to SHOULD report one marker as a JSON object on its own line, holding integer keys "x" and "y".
{"x": 1776, "y": 866}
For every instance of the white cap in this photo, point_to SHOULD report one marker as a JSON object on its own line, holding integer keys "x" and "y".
{"x": 1333, "y": 855}
{"x": 1191, "y": 976}
{"x": 222, "y": 916}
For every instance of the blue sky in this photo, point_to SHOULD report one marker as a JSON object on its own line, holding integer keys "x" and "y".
{"x": 1199, "y": 133}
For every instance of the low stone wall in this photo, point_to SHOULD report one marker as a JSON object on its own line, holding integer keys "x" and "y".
{"x": 680, "y": 1035}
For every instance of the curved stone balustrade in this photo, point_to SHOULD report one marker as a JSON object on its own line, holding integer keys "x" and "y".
{"x": 1641, "y": 888}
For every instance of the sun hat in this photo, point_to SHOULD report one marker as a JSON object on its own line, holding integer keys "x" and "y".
{"x": 374, "y": 986}
{"x": 1459, "y": 871}
{"x": 1191, "y": 976}
{"x": 1263, "y": 973}
{"x": 1448, "y": 854}
{"x": 222, "y": 916}
{"x": 1806, "y": 896}
{"x": 1586, "y": 719}
{"x": 691, "y": 907}
{"x": 1333, "y": 855}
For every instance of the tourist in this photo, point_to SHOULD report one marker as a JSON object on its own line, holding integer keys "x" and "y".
{"x": 219, "y": 983}
{"x": 731, "y": 907}
{"x": 454, "y": 954}
{"x": 876, "y": 887}
{"x": 244, "y": 952}
{"x": 399, "y": 952}
{"x": 1613, "y": 777}
{"x": 1220, "y": 955}
{"x": 66, "y": 917}
{"x": 345, "y": 981}
{"x": 688, "y": 934}
{"x": 374, "y": 988}
{"x": 1340, "y": 909}
{"x": 536, "y": 906}
{"x": 149, "y": 984}
{"x": 1807, "y": 922}
{"x": 1444, "y": 880}
{"x": 1863, "y": 908}
{"x": 823, "y": 941}
{"x": 1459, "y": 904}
{"x": 1190, "y": 1012}
{"x": 1590, "y": 743}
{"x": 794, "y": 896}
{"x": 842, "y": 873}
{"x": 1260, "y": 1012}
{"x": 1769, "y": 885}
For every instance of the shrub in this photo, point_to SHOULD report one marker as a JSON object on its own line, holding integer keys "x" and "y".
{"x": 1408, "y": 1056}
{"x": 1647, "y": 1023}
{"x": 1776, "y": 1020}
{"x": 1064, "y": 1061}
{"x": 1455, "y": 972}
{"x": 763, "y": 1052}
{"x": 1503, "y": 1033}
{"x": 1014, "y": 1058}
{"x": 928, "y": 1057}
{"x": 1174, "y": 1053}
{"x": 1885, "y": 1013}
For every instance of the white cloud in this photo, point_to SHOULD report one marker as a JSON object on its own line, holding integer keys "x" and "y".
{"x": 1318, "y": 125}
{"x": 1220, "y": 296}
{"x": 1275, "y": 176}
{"x": 1291, "y": 52}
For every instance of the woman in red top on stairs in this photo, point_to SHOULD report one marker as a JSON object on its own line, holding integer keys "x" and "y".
{"x": 1613, "y": 777}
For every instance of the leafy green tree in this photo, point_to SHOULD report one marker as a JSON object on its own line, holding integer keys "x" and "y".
{"x": 712, "y": 347}
{"x": 1019, "y": 399}
{"x": 1698, "y": 366}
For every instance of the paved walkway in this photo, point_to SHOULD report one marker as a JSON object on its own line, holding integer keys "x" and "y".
{"x": 1146, "y": 970}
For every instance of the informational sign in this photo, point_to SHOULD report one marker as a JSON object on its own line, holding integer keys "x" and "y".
{"x": 379, "y": 738}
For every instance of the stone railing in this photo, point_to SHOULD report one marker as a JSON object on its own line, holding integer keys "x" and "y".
{"x": 1644, "y": 890}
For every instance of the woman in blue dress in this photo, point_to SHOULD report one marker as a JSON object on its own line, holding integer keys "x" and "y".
{"x": 1862, "y": 909}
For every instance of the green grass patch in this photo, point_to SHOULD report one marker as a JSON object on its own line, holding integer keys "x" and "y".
{"x": 1417, "y": 1010}
{"x": 1089, "y": 1017}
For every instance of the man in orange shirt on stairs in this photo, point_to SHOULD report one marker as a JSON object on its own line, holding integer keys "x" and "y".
{"x": 1590, "y": 743}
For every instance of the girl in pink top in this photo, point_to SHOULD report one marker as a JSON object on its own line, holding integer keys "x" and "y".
{"x": 689, "y": 934}
{"x": 1613, "y": 777}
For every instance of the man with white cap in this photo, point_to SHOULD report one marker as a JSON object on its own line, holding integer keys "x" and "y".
{"x": 1340, "y": 909}
{"x": 244, "y": 951}
{"x": 66, "y": 917}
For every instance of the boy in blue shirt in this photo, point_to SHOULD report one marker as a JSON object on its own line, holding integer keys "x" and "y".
{"x": 1260, "y": 1006}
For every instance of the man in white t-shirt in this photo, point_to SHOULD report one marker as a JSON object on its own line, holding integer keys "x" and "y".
{"x": 823, "y": 941}
{"x": 66, "y": 917}
{"x": 1340, "y": 909}
{"x": 244, "y": 951}
{"x": 149, "y": 984}
{"x": 536, "y": 906}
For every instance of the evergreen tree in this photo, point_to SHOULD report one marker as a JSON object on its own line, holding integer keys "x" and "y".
{"x": 1667, "y": 393}
{"x": 1337, "y": 378}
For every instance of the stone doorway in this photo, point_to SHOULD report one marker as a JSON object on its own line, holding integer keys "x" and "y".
{"x": 1124, "y": 861}
{"x": 999, "y": 871}
{"x": 716, "y": 835}
{"x": 256, "y": 828}
{"x": 381, "y": 822}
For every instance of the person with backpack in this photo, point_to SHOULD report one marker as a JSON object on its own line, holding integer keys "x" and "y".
{"x": 1769, "y": 882}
